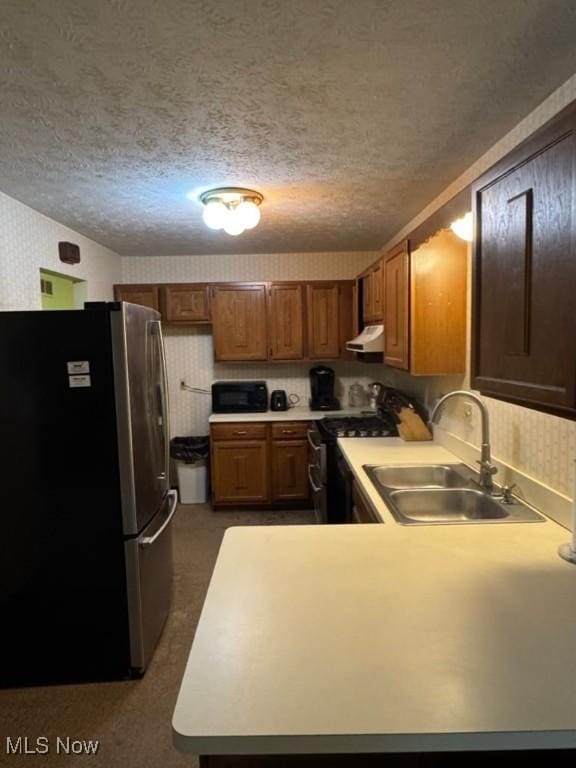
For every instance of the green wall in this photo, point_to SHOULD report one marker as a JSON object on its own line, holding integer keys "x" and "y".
{"x": 62, "y": 291}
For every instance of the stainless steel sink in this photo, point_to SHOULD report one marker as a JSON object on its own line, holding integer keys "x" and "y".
{"x": 421, "y": 476}
{"x": 443, "y": 494}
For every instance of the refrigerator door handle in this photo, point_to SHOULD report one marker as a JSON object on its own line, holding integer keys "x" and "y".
{"x": 146, "y": 541}
{"x": 166, "y": 415}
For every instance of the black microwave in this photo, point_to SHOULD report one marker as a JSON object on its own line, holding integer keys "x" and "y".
{"x": 239, "y": 397}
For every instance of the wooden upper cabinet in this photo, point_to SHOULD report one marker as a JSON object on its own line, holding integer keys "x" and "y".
{"x": 286, "y": 321}
{"x": 186, "y": 303}
{"x": 143, "y": 294}
{"x": 377, "y": 293}
{"x": 524, "y": 323}
{"x": 323, "y": 321}
{"x": 397, "y": 307}
{"x": 438, "y": 301}
{"x": 239, "y": 322}
{"x": 367, "y": 303}
{"x": 373, "y": 295}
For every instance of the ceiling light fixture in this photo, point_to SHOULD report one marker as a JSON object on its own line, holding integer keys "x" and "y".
{"x": 232, "y": 209}
{"x": 464, "y": 227}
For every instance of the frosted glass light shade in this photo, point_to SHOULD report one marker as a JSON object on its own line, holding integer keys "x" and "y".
{"x": 233, "y": 209}
{"x": 234, "y": 224}
{"x": 464, "y": 227}
{"x": 249, "y": 214}
{"x": 215, "y": 214}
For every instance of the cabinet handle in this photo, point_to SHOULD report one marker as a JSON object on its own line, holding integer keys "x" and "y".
{"x": 241, "y": 432}
{"x": 287, "y": 431}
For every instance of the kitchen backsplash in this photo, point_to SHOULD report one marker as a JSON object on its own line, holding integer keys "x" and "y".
{"x": 189, "y": 351}
{"x": 29, "y": 242}
{"x": 189, "y": 356}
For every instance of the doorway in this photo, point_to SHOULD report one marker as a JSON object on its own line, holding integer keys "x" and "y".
{"x": 61, "y": 291}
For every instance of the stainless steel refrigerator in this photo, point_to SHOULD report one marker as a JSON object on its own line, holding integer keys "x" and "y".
{"x": 86, "y": 511}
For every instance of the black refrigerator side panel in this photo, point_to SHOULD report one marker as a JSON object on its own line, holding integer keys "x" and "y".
{"x": 62, "y": 569}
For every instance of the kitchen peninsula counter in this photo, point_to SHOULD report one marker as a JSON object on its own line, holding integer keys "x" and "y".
{"x": 383, "y": 638}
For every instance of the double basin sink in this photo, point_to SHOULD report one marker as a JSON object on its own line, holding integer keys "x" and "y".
{"x": 444, "y": 493}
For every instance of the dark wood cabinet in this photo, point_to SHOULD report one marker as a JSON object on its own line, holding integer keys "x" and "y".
{"x": 524, "y": 324}
{"x": 323, "y": 321}
{"x": 143, "y": 294}
{"x": 286, "y": 321}
{"x": 397, "y": 307}
{"x": 263, "y": 464}
{"x": 240, "y": 473}
{"x": 185, "y": 303}
{"x": 239, "y": 322}
{"x": 289, "y": 470}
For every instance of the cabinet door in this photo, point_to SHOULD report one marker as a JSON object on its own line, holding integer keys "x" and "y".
{"x": 239, "y": 322}
{"x": 145, "y": 295}
{"x": 367, "y": 309}
{"x": 240, "y": 472}
{"x": 361, "y": 511}
{"x": 323, "y": 321}
{"x": 289, "y": 470}
{"x": 525, "y": 272}
{"x": 286, "y": 321}
{"x": 186, "y": 303}
{"x": 377, "y": 294}
{"x": 396, "y": 307}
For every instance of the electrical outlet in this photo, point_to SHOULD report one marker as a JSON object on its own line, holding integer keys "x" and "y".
{"x": 468, "y": 412}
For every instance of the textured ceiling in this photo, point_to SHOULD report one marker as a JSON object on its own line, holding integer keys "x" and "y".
{"x": 348, "y": 115}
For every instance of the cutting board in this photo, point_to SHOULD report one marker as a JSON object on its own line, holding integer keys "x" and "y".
{"x": 411, "y": 426}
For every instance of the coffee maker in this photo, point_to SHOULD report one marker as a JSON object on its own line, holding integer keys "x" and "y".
{"x": 322, "y": 389}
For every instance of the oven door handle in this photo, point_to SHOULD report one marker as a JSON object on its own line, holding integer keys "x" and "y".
{"x": 315, "y": 488}
{"x": 313, "y": 445}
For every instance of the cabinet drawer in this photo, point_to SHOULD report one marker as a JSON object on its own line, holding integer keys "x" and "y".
{"x": 289, "y": 430}
{"x": 239, "y": 431}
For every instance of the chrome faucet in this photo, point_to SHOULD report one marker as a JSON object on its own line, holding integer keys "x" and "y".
{"x": 487, "y": 469}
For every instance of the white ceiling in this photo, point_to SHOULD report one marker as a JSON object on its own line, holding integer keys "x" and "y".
{"x": 348, "y": 115}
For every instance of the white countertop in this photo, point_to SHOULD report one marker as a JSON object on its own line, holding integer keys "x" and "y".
{"x": 298, "y": 413}
{"x": 379, "y": 638}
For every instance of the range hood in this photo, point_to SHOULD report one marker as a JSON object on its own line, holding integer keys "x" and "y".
{"x": 370, "y": 340}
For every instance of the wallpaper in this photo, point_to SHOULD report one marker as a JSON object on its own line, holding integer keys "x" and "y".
{"x": 29, "y": 242}
{"x": 189, "y": 351}
{"x": 262, "y": 266}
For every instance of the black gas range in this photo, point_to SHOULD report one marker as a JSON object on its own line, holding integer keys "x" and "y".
{"x": 357, "y": 426}
{"x": 331, "y": 488}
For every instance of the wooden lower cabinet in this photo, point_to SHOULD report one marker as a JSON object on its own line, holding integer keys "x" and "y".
{"x": 240, "y": 473}
{"x": 289, "y": 470}
{"x": 259, "y": 464}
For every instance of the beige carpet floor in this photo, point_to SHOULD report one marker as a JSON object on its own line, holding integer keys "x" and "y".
{"x": 131, "y": 720}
